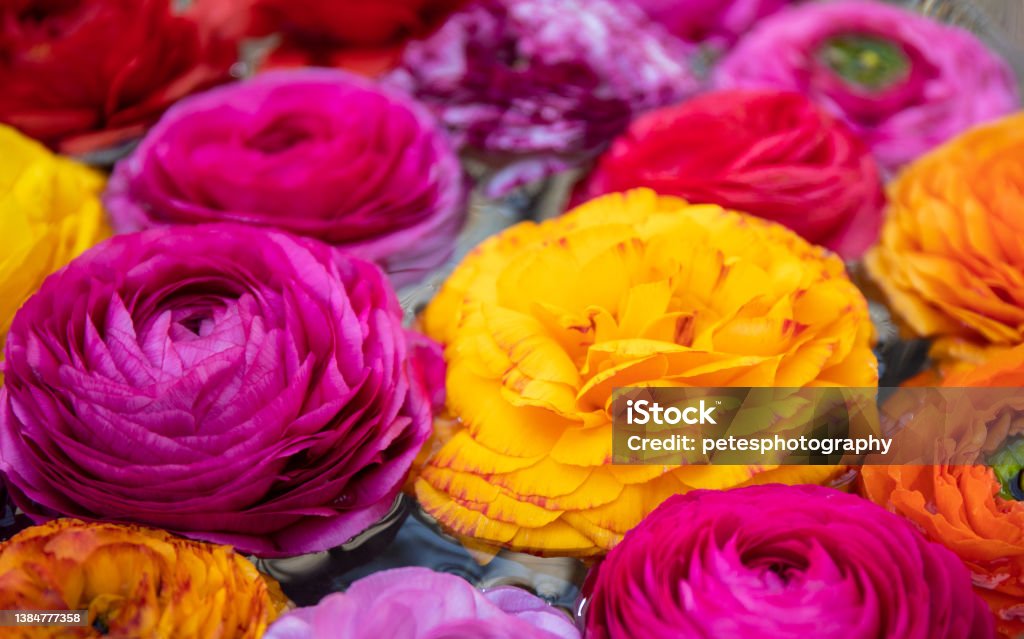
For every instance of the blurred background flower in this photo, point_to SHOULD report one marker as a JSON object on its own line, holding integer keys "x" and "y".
{"x": 951, "y": 256}
{"x": 321, "y": 153}
{"x": 50, "y": 212}
{"x": 880, "y": 69}
{"x": 715, "y": 24}
{"x": 773, "y": 154}
{"x": 364, "y": 37}
{"x": 541, "y": 322}
{"x": 134, "y": 582}
{"x": 415, "y": 603}
{"x": 223, "y": 382}
{"x": 781, "y": 561}
{"x": 521, "y": 78}
{"x": 85, "y": 75}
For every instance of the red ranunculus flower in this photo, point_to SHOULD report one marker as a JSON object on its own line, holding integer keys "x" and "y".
{"x": 773, "y": 154}
{"x": 365, "y": 36}
{"x": 80, "y": 75}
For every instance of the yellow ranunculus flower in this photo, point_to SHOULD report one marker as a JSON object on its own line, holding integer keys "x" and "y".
{"x": 50, "y": 212}
{"x": 951, "y": 255}
{"x": 541, "y": 322}
{"x": 135, "y": 582}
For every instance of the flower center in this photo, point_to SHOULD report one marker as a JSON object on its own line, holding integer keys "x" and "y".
{"x": 1008, "y": 463}
{"x": 281, "y": 134}
{"x": 196, "y": 323}
{"x": 777, "y": 567}
{"x": 783, "y": 571}
{"x": 864, "y": 60}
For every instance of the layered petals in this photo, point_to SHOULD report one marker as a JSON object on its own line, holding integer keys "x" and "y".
{"x": 134, "y": 582}
{"x": 536, "y": 77}
{"x": 226, "y": 383}
{"x": 319, "y": 153}
{"x": 50, "y": 211}
{"x": 773, "y": 154}
{"x": 951, "y": 255}
{"x": 83, "y": 76}
{"x": 974, "y": 510}
{"x": 541, "y": 322}
{"x": 780, "y": 562}
{"x": 416, "y": 603}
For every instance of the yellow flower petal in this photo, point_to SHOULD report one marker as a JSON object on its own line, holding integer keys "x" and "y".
{"x": 49, "y": 213}
{"x": 541, "y": 323}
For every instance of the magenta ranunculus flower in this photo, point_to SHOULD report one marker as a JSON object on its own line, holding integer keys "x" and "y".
{"x": 903, "y": 82}
{"x": 714, "y": 23}
{"x": 321, "y": 153}
{"x": 781, "y": 562}
{"x": 417, "y": 603}
{"x": 223, "y": 382}
{"x": 539, "y": 77}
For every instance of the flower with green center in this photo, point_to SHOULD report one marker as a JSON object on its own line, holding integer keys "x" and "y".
{"x": 903, "y": 82}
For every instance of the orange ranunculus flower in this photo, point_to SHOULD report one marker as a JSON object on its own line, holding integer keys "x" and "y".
{"x": 135, "y": 582}
{"x": 541, "y": 322}
{"x": 951, "y": 255}
{"x": 968, "y": 508}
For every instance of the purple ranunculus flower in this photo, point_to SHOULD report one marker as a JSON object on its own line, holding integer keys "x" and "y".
{"x": 321, "y": 153}
{"x": 781, "y": 562}
{"x": 223, "y": 382}
{"x": 417, "y": 603}
{"x": 714, "y": 23}
{"x": 902, "y": 81}
{"x": 511, "y": 78}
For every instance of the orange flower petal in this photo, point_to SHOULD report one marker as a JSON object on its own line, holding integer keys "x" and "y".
{"x": 951, "y": 255}
{"x": 135, "y": 581}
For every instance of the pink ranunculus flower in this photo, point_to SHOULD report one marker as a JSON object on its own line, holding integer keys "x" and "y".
{"x": 417, "y": 603}
{"x": 515, "y": 78}
{"x": 321, "y": 153}
{"x": 904, "y": 82}
{"x": 714, "y": 23}
{"x": 223, "y": 382}
{"x": 781, "y": 562}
